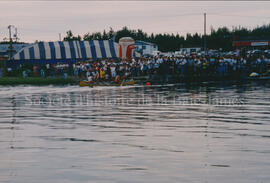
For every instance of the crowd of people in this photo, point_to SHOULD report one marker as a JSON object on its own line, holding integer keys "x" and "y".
{"x": 158, "y": 67}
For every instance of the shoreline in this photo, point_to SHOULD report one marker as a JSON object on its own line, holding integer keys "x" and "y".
{"x": 141, "y": 80}
{"x": 37, "y": 81}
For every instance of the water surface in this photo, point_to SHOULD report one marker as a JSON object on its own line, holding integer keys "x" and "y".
{"x": 214, "y": 132}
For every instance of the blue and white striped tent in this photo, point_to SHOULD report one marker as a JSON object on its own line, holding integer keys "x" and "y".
{"x": 67, "y": 51}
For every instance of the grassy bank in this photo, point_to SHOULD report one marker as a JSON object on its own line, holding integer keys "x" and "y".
{"x": 37, "y": 81}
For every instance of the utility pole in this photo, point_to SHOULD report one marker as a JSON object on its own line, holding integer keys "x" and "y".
{"x": 10, "y": 43}
{"x": 60, "y": 39}
{"x": 205, "y": 49}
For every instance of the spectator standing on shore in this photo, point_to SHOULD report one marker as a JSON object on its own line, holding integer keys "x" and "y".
{"x": 42, "y": 73}
{"x": 1, "y": 72}
{"x": 35, "y": 70}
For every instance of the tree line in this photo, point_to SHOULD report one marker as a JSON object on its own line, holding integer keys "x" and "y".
{"x": 220, "y": 38}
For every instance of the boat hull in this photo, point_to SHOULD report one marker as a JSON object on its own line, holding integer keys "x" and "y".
{"x": 124, "y": 83}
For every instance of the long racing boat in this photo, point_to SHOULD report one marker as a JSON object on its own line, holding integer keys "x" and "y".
{"x": 107, "y": 83}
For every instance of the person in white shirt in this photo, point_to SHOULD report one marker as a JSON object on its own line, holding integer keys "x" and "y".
{"x": 90, "y": 79}
{"x": 160, "y": 60}
{"x": 113, "y": 72}
{"x": 87, "y": 74}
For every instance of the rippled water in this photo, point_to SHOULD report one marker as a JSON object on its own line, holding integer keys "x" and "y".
{"x": 175, "y": 133}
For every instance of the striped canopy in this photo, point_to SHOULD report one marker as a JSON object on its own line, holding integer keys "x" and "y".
{"x": 68, "y": 51}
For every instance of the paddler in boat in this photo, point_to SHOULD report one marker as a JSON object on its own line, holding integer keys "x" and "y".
{"x": 117, "y": 79}
{"x": 90, "y": 79}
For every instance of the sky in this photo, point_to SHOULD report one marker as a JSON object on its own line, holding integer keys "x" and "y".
{"x": 44, "y": 20}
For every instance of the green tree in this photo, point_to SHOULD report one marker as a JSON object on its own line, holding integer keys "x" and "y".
{"x": 220, "y": 38}
{"x": 71, "y": 37}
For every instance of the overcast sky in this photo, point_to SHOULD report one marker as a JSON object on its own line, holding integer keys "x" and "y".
{"x": 44, "y": 20}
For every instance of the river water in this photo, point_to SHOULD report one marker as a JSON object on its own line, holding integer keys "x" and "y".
{"x": 212, "y": 132}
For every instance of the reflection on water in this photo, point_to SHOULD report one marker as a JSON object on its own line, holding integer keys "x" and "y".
{"x": 214, "y": 132}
